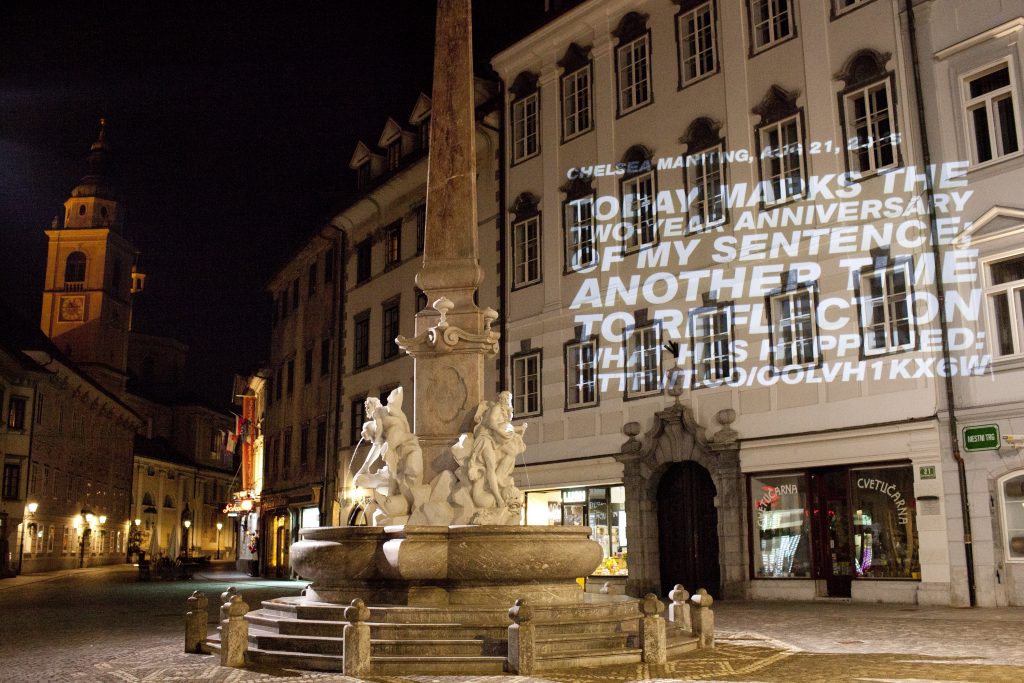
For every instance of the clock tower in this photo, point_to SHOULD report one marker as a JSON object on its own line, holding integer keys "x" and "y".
{"x": 91, "y": 276}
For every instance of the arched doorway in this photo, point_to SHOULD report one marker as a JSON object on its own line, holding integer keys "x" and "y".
{"x": 688, "y": 529}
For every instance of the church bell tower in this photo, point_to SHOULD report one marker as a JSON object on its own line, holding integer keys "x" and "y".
{"x": 91, "y": 276}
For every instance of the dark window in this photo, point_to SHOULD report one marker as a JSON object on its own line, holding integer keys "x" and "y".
{"x": 286, "y": 455}
{"x": 39, "y": 409}
{"x": 358, "y": 414}
{"x": 363, "y": 175}
{"x": 421, "y": 227}
{"x": 363, "y": 268}
{"x": 16, "y": 413}
{"x": 279, "y": 383}
{"x": 295, "y": 294}
{"x": 393, "y": 244}
{"x": 329, "y": 258}
{"x": 304, "y": 445}
{"x": 390, "y": 327}
{"x": 325, "y": 356}
{"x": 424, "y": 133}
{"x": 361, "y": 349}
{"x": 421, "y": 300}
{"x": 291, "y": 376}
{"x": 394, "y": 154}
{"x": 312, "y": 280}
{"x": 74, "y": 270}
{"x": 115, "y": 275}
{"x": 307, "y": 371}
{"x": 321, "y": 441}
{"x": 12, "y": 481}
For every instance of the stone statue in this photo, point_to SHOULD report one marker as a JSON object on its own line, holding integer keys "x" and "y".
{"x": 479, "y": 491}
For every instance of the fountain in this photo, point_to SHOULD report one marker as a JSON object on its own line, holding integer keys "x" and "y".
{"x": 428, "y": 588}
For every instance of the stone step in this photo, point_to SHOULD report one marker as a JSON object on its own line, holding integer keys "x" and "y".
{"x": 675, "y": 648}
{"x": 576, "y": 660}
{"x": 470, "y": 647}
{"x": 437, "y": 632}
{"x": 438, "y": 665}
{"x": 582, "y": 642}
{"x": 300, "y": 644}
{"x": 295, "y": 660}
{"x": 602, "y": 626}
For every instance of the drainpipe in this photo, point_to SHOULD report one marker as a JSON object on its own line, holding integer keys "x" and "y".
{"x": 965, "y": 505}
{"x": 502, "y": 246}
{"x": 327, "y": 491}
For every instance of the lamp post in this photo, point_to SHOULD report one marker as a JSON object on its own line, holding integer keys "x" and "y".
{"x": 186, "y": 521}
{"x": 220, "y": 525}
{"x": 30, "y": 510}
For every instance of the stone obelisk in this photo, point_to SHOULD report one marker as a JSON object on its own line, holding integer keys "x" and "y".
{"x": 453, "y": 339}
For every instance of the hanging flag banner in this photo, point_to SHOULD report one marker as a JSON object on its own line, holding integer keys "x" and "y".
{"x": 247, "y": 436}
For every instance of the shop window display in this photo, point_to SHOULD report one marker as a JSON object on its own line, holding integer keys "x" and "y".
{"x": 884, "y": 523}
{"x": 1011, "y": 491}
{"x": 781, "y": 534}
{"x": 602, "y": 508}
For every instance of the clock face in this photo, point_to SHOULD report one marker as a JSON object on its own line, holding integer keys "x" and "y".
{"x": 72, "y": 308}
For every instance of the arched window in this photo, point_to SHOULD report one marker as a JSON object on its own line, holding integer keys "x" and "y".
{"x": 147, "y": 500}
{"x": 74, "y": 270}
{"x": 168, "y": 502}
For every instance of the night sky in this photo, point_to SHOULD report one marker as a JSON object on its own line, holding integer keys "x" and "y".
{"x": 232, "y": 132}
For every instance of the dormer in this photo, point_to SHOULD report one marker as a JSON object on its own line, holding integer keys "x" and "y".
{"x": 366, "y": 164}
{"x": 396, "y": 143}
{"x": 419, "y": 120}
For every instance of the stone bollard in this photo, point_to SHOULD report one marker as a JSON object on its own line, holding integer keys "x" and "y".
{"x": 225, "y": 598}
{"x": 679, "y": 610}
{"x": 195, "y": 623}
{"x": 356, "y": 635}
{"x": 703, "y": 619}
{"x": 652, "y": 630}
{"x": 234, "y": 632}
{"x": 522, "y": 639}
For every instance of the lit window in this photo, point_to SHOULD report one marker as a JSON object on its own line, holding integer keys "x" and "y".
{"x": 1011, "y": 508}
{"x": 638, "y": 210}
{"x": 576, "y": 103}
{"x": 393, "y": 244}
{"x": 390, "y": 329}
{"x": 870, "y": 129}
{"x": 781, "y": 158}
{"x": 993, "y": 121}
{"x": 526, "y": 252}
{"x": 16, "y": 412}
{"x": 526, "y": 384}
{"x": 525, "y": 133}
{"x": 711, "y": 335}
{"x": 794, "y": 329}
{"x": 885, "y": 301}
{"x": 771, "y": 22}
{"x": 643, "y": 360}
{"x": 634, "y": 74}
{"x": 581, "y": 374}
{"x": 697, "y": 45}
{"x": 704, "y": 174}
{"x": 1005, "y": 292}
{"x": 580, "y": 237}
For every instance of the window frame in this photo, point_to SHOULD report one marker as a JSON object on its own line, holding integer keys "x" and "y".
{"x": 887, "y": 81}
{"x": 690, "y": 181}
{"x": 765, "y": 127}
{"x": 356, "y": 410}
{"x": 838, "y": 11}
{"x": 628, "y": 246}
{"x": 756, "y": 49}
{"x": 325, "y": 356}
{"x": 621, "y": 109}
{"x": 574, "y": 371}
{"x": 519, "y": 369}
{"x": 361, "y": 340}
{"x": 686, "y": 10}
{"x": 573, "y": 247}
{"x": 902, "y": 262}
{"x": 631, "y": 352}
{"x": 968, "y": 104}
{"x": 393, "y": 245}
{"x": 525, "y": 260}
{"x": 525, "y": 126}
{"x": 1015, "y": 306}
{"x": 364, "y": 261}
{"x": 712, "y": 309}
{"x": 17, "y": 408}
{"x": 389, "y": 349}
{"x": 571, "y": 79}
{"x": 1004, "y": 528}
{"x": 811, "y": 289}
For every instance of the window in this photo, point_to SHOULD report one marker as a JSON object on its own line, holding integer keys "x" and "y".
{"x": 643, "y": 360}
{"x": 993, "y": 120}
{"x": 295, "y": 294}
{"x": 1005, "y": 293}
{"x": 286, "y": 453}
{"x": 363, "y": 175}
{"x": 279, "y": 383}
{"x": 638, "y": 209}
{"x": 885, "y": 309}
{"x": 525, "y": 133}
{"x": 39, "y": 408}
{"x": 390, "y": 329}
{"x": 363, "y": 254}
{"x": 1011, "y": 509}
{"x": 329, "y": 258}
{"x": 782, "y": 545}
{"x": 634, "y": 74}
{"x": 291, "y": 376}
{"x": 844, "y": 6}
{"x": 581, "y": 373}
{"x": 325, "y": 356}
{"x": 526, "y": 252}
{"x": 311, "y": 288}
{"x": 394, "y": 154}
{"x": 771, "y": 22}
{"x": 884, "y": 526}
{"x": 358, "y": 412}
{"x": 423, "y": 131}
{"x": 307, "y": 369}
{"x": 704, "y": 179}
{"x": 421, "y": 227}
{"x": 168, "y": 502}
{"x": 361, "y": 343}
{"x": 580, "y": 234}
{"x": 526, "y": 384}
{"x": 12, "y": 481}
{"x": 711, "y": 335}
{"x": 16, "y": 412}
{"x": 870, "y": 130}
{"x": 74, "y": 269}
{"x": 421, "y": 300}
{"x": 698, "y": 49}
{"x": 393, "y": 244}
{"x": 576, "y": 118}
{"x": 321, "y": 441}
{"x": 304, "y": 444}
{"x": 781, "y": 159}
{"x": 794, "y": 328}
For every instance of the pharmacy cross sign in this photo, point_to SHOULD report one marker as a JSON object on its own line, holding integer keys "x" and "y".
{"x": 981, "y": 438}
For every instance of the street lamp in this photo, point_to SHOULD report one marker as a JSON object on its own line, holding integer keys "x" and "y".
{"x": 220, "y": 525}
{"x": 30, "y": 510}
{"x": 186, "y": 521}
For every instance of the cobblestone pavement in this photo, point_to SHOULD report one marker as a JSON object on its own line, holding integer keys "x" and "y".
{"x": 102, "y": 625}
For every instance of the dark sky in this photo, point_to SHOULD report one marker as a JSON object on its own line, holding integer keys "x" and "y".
{"x": 232, "y": 130}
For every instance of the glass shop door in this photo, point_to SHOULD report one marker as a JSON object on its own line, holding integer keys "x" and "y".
{"x": 830, "y": 526}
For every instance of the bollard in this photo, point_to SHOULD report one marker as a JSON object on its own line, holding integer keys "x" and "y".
{"x": 652, "y": 630}
{"x": 522, "y": 639}
{"x": 195, "y": 623}
{"x": 356, "y": 635}
{"x": 234, "y": 633}
{"x": 703, "y": 619}
{"x": 225, "y": 598}
{"x": 679, "y": 610}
